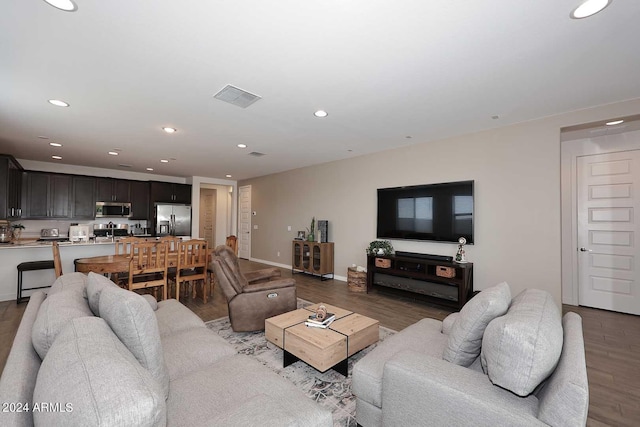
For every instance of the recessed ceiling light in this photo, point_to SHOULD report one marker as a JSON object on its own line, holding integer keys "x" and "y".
{"x": 169, "y": 130}
{"x": 66, "y": 5}
{"x": 242, "y": 145}
{"x": 113, "y": 153}
{"x": 589, "y": 8}
{"x": 164, "y": 161}
{"x": 321, "y": 113}
{"x": 615, "y": 122}
{"x": 56, "y": 157}
{"x": 55, "y": 144}
{"x": 58, "y": 103}
{"x": 228, "y": 176}
{"x": 149, "y": 169}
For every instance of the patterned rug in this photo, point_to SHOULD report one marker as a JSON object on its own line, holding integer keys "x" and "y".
{"x": 329, "y": 389}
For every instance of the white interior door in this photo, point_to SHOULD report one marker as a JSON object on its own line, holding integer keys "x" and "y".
{"x": 244, "y": 222}
{"x": 608, "y": 227}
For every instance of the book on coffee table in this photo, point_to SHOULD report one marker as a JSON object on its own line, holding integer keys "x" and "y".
{"x": 317, "y": 324}
{"x": 330, "y": 318}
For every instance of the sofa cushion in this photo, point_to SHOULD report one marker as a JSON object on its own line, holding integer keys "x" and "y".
{"x": 95, "y": 284}
{"x": 70, "y": 282}
{"x": 423, "y": 337}
{"x": 134, "y": 322}
{"x": 173, "y": 317}
{"x": 54, "y": 314}
{"x": 94, "y": 380}
{"x": 248, "y": 389}
{"x": 521, "y": 348}
{"x": 192, "y": 350}
{"x": 465, "y": 336}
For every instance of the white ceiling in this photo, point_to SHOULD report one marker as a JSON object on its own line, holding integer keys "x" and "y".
{"x": 383, "y": 69}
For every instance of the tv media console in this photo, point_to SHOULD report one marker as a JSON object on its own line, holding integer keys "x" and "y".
{"x": 439, "y": 281}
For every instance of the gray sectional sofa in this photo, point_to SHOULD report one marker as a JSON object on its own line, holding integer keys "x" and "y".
{"x": 90, "y": 353}
{"x": 498, "y": 362}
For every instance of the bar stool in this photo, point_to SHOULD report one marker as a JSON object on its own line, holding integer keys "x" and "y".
{"x": 31, "y": 266}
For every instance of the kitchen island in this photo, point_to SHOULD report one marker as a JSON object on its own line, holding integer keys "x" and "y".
{"x": 13, "y": 254}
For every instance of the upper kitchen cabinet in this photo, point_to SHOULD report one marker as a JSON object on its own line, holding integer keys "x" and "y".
{"x": 167, "y": 192}
{"x": 46, "y": 195}
{"x": 139, "y": 199}
{"x": 10, "y": 188}
{"x": 112, "y": 190}
{"x": 83, "y": 204}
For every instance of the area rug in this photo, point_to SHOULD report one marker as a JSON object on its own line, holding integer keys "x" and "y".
{"x": 329, "y": 389}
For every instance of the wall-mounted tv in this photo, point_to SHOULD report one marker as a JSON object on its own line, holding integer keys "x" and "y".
{"x": 439, "y": 212}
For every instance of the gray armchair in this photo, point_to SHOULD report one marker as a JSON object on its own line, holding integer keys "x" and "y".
{"x": 518, "y": 364}
{"x": 254, "y": 296}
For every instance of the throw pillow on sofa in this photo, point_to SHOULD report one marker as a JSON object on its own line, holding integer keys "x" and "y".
{"x": 70, "y": 282}
{"x": 95, "y": 285}
{"x": 95, "y": 381}
{"x": 54, "y": 314}
{"x": 134, "y": 322}
{"x": 522, "y": 348}
{"x": 465, "y": 336}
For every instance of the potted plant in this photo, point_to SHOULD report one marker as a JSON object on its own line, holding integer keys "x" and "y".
{"x": 311, "y": 231}
{"x": 380, "y": 247}
{"x": 17, "y": 231}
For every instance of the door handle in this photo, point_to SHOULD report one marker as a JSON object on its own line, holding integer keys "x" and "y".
{"x": 585, "y": 250}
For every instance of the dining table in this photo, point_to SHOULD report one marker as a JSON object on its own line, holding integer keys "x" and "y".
{"x": 104, "y": 264}
{"x": 109, "y": 264}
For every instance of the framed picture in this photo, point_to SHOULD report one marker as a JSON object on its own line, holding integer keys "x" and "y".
{"x": 301, "y": 235}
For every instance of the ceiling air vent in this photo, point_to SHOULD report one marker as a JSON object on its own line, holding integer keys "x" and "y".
{"x": 122, "y": 165}
{"x": 256, "y": 154}
{"x": 236, "y": 96}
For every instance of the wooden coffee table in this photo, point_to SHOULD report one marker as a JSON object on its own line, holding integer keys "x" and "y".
{"x": 321, "y": 348}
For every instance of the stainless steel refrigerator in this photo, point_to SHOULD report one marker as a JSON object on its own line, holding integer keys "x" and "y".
{"x": 172, "y": 219}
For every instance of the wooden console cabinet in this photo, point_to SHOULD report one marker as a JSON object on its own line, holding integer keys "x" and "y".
{"x": 420, "y": 276}
{"x": 312, "y": 258}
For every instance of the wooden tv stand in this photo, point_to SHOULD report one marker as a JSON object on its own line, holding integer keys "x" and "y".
{"x": 418, "y": 275}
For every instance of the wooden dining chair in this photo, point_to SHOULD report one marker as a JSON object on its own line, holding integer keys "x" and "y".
{"x": 232, "y": 242}
{"x": 148, "y": 266}
{"x": 123, "y": 245}
{"x": 57, "y": 263}
{"x": 192, "y": 268}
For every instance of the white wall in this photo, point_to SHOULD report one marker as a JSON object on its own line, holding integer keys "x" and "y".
{"x": 517, "y": 199}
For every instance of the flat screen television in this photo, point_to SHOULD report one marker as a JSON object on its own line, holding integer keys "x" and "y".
{"x": 438, "y": 212}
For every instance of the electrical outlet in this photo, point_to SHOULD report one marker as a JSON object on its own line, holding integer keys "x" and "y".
{"x": 288, "y": 228}
{"x": 255, "y": 227}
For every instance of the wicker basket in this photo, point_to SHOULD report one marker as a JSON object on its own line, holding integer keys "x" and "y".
{"x": 356, "y": 280}
{"x": 383, "y": 262}
{"x": 448, "y": 272}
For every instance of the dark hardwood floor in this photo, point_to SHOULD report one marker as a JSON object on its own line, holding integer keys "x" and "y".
{"x": 612, "y": 340}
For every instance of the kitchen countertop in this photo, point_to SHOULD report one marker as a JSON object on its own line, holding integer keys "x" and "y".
{"x": 31, "y": 243}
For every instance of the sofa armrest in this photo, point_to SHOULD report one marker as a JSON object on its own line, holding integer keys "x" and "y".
{"x": 417, "y": 388}
{"x": 268, "y": 286}
{"x": 263, "y": 275}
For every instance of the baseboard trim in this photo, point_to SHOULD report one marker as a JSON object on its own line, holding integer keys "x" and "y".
{"x": 277, "y": 264}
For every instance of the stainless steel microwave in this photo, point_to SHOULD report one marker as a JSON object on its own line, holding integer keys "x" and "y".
{"x": 113, "y": 210}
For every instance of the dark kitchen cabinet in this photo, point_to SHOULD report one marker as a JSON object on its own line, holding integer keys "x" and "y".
{"x": 140, "y": 199}
{"x": 10, "y": 188}
{"x": 83, "y": 205}
{"x": 112, "y": 190}
{"x": 167, "y": 192}
{"x": 46, "y": 195}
